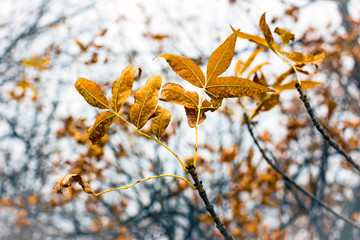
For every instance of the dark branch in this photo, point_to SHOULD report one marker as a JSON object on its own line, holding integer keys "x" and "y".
{"x": 209, "y": 207}
{"x": 292, "y": 182}
{"x": 323, "y": 132}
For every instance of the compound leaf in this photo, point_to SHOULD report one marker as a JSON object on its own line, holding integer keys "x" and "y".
{"x": 186, "y": 69}
{"x": 229, "y": 87}
{"x": 102, "y": 123}
{"x": 221, "y": 58}
{"x": 175, "y": 93}
{"x": 68, "y": 179}
{"x": 92, "y": 93}
{"x": 146, "y": 99}
{"x": 122, "y": 87}
{"x": 161, "y": 121}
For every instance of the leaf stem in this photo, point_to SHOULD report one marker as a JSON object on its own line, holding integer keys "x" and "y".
{"x": 145, "y": 179}
{"x": 199, "y": 107}
{"x": 294, "y": 67}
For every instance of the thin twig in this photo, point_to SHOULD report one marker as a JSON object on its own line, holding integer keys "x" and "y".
{"x": 323, "y": 132}
{"x": 291, "y": 181}
{"x": 209, "y": 207}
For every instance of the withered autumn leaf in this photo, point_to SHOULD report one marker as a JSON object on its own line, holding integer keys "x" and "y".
{"x": 186, "y": 69}
{"x": 191, "y": 114}
{"x": 300, "y": 58}
{"x": 285, "y": 35}
{"x": 265, "y": 104}
{"x": 172, "y": 92}
{"x": 67, "y": 180}
{"x": 264, "y": 27}
{"x": 283, "y": 76}
{"x": 306, "y": 84}
{"x": 229, "y": 87}
{"x": 256, "y": 39}
{"x": 221, "y": 58}
{"x": 92, "y": 93}
{"x": 122, "y": 87}
{"x": 102, "y": 123}
{"x": 146, "y": 99}
{"x": 161, "y": 121}
{"x": 239, "y": 72}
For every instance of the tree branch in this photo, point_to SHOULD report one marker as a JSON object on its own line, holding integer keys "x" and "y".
{"x": 323, "y": 132}
{"x": 209, "y": 207}
{"x": 292, "y": 182}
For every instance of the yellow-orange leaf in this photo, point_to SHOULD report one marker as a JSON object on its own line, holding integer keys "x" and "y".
{"x": 37, "y": 62}
{"x": 265, "y": 104}
{"x": 146, "y": 99}
{"x": 228, "y": 87}
{"x": 101, "y": 125}
{"x": 256, "y": 39}
{"x": 92, "y": 93}
{"x": 161, "y": 121}
{"x": 285, "y": 35}
{"x": 185, "y": 68}
{"x": 216, "y": 103}
{"x": 175, "y": 93}
{"x": 306, "y": 84}
{"x": 122, "y": 87}
{"x": 221, "y": 58}
{"x": 238, "y": 66}
{"x": 283, "y": 76}
{"x": 191, "y": 114}
{"x": 267, "y": 33}
{"x": 257, "y": 68}
{"x": 300, "y": 58}
{"x": 68, "y": 179}
{"x": 250, "y": 60}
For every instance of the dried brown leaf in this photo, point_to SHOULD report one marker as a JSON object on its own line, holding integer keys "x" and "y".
{"x": 191, "y": 114}
{"x": 175, "y": 93}
{"x": 265, "y": 104}
{"x": 102, "y": 123}
{"x": 300, "y": 58}
{"x": 256, "y": 39}
{"x": 161, "y": 121}
{"x": 250, "y": 60}
{"x": 257, "y": 68}
{"x": 68, "y": 179}
{"x": 146, "y": 99}
{"x": 283, "y": 76}
{"x": 221, "y": 58}
{"x": 228, "y": 87}
{"x": 92, "y": 93}
{"x": 216, "y": 103}
{"x": 285, "y": 35}
{"x": 186, "y": 69}
{"x": 122, "y": 87}
{"x": 267, "y": 33}
{"x": 238, "y": 66}
{"x": 306, "y": 84}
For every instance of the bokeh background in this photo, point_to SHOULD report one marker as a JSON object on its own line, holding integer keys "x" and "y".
{"x": 46, "y": 45}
